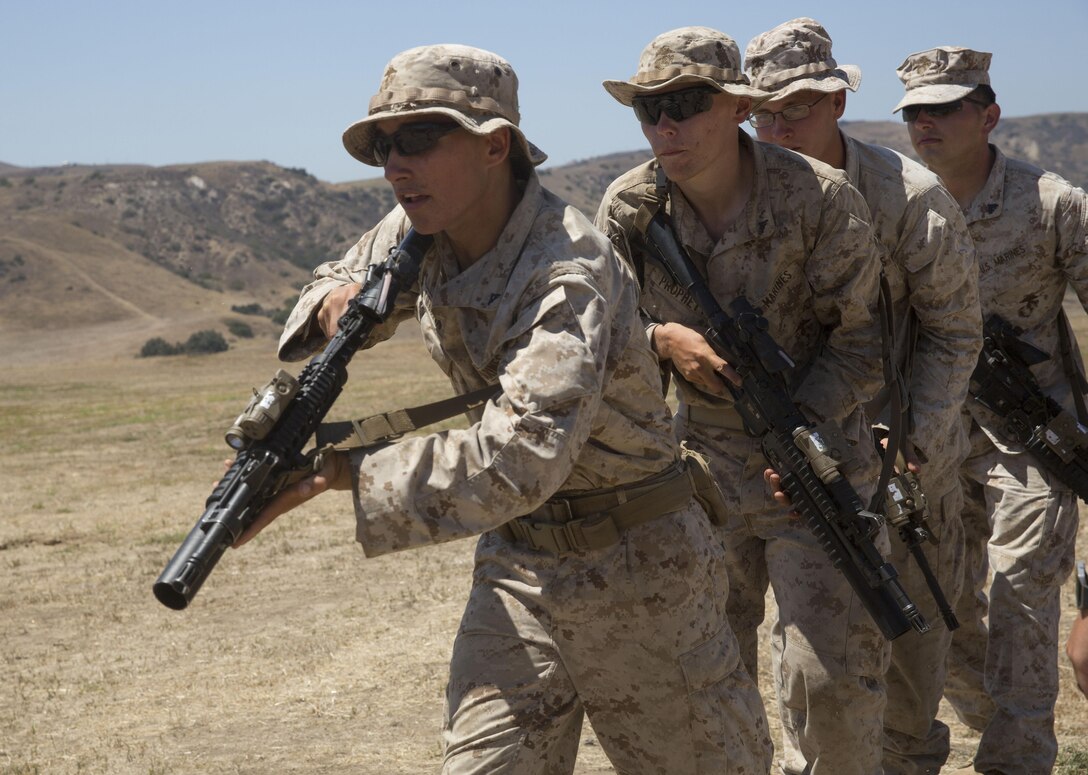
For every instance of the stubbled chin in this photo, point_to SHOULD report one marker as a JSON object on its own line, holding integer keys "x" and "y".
{"x": 673, "y": 163}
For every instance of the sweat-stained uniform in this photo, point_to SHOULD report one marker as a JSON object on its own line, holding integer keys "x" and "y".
{"x": 929, "y": 263}
{"x": 633, "y": 634}
{"x": 1030, "y": 230}
{"x": 803, "y": 252}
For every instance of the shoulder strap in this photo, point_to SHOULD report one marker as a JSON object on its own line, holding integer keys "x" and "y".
{"x": 380, "y": 428}
{"x": 1072, "y": 372}
{"x": 653, "y": 201}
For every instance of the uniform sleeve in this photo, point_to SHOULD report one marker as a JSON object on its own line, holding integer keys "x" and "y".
{"x": 607, "y": 223}
{"x": 942, "y": 278}
{"x": 843, "y": 271}
{"x": 1072, "y": 217}
{"x": 301, "y": 336}
{"x": 459, "y": 483}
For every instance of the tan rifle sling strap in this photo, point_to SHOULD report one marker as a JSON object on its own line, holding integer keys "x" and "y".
{"x": 654, "y": 201}
{"x": 380, "y": 429}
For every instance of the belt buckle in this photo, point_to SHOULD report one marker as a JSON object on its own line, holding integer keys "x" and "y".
{"x": 550, "y": 536}
{"x": 565, "y": 504}
{"x": 574, "y": 536}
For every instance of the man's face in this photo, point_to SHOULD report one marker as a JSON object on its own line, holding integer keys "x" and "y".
{"x": 954, "y": 131}
{"x": 438, "y": 179}
{"x": 687, "y": 148}
{"x": 806, "y": 122}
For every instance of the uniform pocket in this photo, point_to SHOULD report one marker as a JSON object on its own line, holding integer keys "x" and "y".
{"x": 729, "y": 724}
{"x": 711, "y": 661}
{"x": 1053, "y": 560}
{"x": 704, "y": 485}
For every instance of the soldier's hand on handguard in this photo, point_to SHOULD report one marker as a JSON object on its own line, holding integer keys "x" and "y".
{"x": 333, "y": 307}
{"x": 693, "y": 358}
{"x": 335, "y": 474}
{"x": 774, "y": 484}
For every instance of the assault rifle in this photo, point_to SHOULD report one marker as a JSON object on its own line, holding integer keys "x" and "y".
{"x": 798, "y": 451}
{"x": 277, "y": 424}
{"x": 1003, "y": 383}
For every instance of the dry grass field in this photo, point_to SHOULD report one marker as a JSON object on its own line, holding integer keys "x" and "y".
{"x": 298, "y": 656}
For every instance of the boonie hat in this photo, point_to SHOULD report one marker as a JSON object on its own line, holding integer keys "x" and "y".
{"x": 796, "y": 56}
{"x": 475, "y": 88}
{"x": 942, "y": 74}
{"x": 688, "y": 56}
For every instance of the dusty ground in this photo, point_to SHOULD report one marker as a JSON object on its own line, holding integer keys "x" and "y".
{"x": 298, "y": 656}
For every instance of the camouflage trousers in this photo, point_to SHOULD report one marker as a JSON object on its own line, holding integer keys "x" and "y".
{"x": 1020, "y": 526}
{"x": 634, "y": 636}
{"x": 828, "y": 655}
{"x": 915, "y": 741}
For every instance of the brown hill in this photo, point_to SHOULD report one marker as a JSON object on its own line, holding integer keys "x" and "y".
{"x": 168, "y": 250}
{"x": 114, "y": 255}
{"x": 1057, "y": 142}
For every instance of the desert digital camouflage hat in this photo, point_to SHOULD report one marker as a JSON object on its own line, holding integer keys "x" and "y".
{"x": 942, "y": 74}
{"x": 475, "y": 88}
{"x": 796, "y": 56}
{"x": 688, "y": 56}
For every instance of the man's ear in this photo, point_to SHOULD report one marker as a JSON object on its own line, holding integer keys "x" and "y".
{"x": 838, "y": 103}
{"x": 991, "y": 115}
{"x": 498, "y": 145}
{"x": 743, "y": 109}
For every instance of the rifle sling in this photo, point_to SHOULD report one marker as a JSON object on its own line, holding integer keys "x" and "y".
{"x": 896, "y": 392}
{"x": 1072, "y": 371}
{"x": 380, "y": 428}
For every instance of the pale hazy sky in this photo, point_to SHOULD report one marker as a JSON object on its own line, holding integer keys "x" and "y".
{"x": 158, "y": 83}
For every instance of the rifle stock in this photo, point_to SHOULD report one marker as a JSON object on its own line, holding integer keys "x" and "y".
{"x": 829, "y": 506}
{"x": 260, "y": 469}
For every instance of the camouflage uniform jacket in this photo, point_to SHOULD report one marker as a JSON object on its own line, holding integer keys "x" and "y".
{"x": 929, "y": 261}
{"x": 1030, "y": 229}
{"x": 802, "y": 251}
{"x": 551, "y": 314}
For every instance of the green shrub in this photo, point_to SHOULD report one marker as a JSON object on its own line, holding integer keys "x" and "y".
{"x": 206, "y": 341}
{"x": 159, "y": 346}
{"x": 240, "y": 329}
{"x": 247, "y": 309}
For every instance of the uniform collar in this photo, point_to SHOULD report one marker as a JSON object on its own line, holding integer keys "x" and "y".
{"x": 481, "y": 286}
{"x": 852, "y": 165}
{"x": 757, "y": 220}
{"x": 988, "y": 203}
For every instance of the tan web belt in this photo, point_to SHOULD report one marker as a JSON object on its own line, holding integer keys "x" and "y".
{"x": 598, "y": 520}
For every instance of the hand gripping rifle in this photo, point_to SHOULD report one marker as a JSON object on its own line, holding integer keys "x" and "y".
{"x": 899, "y": 496}
{"x": 799, "y": 452}
{"x": 271, "y": 433}
{"x": 1003, "y": 383}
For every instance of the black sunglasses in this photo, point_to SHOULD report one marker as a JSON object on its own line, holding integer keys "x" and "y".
{"x": 677, "y": 105}
{"x": 410, "y": 139}
{"x": 910, "y": 113}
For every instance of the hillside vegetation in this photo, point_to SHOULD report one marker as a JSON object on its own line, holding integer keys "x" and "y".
{"x": 112, "y": 255}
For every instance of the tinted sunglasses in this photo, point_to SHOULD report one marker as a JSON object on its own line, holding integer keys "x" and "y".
{"x": 677, "y": 105}
{"x": 910, "y": 113}
{"x": 410, "y": 139}
{"x": 765, "y": 118}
